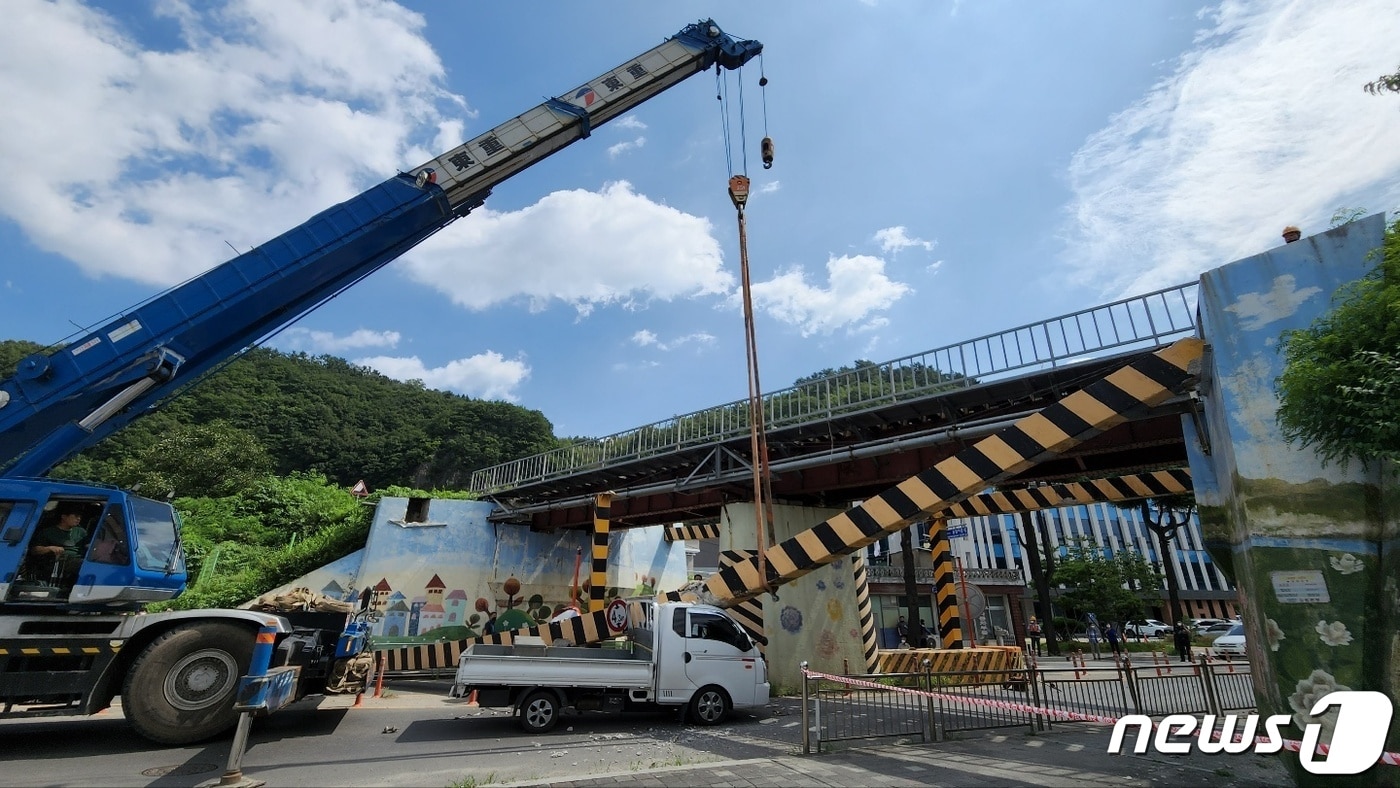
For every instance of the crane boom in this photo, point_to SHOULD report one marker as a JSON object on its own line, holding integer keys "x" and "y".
{"x": 61, "y": 402}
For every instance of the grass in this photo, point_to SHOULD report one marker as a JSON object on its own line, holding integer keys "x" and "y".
{"x": 471, "y": 781}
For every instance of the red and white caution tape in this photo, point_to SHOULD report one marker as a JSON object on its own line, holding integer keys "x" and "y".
{"x": 1388, "y": 758}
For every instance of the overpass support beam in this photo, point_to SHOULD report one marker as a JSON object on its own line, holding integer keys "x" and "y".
{"x": 598, "y": 577}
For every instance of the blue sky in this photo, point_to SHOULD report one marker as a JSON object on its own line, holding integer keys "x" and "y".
{"x": 944, "y": 170}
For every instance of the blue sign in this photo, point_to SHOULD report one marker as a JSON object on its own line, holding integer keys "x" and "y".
{"x": 957, "y": 531}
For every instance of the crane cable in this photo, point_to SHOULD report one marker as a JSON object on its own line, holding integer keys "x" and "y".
{"x": 758, "y": 438}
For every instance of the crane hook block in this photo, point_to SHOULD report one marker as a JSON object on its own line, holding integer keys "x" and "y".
{"x": 767, "y": 150}
{"x": 739, "y": 190}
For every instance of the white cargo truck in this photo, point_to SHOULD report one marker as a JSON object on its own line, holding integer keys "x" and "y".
{"x": 675, "y": 654}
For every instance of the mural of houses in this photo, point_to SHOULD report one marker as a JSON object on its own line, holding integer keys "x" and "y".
{"x": 441, "y": 572}
{"x": 395, "y": 621}
{"x": 457, "y": 608}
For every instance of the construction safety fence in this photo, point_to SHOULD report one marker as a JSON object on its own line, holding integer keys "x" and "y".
{"x": 927, "y": 704}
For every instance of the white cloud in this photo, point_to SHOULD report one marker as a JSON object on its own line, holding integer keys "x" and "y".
{"x": 770, "y": 187}
{"x": 297, "y": 338}
{"x": 244, "y": 126}
{"x": 486, "y": 375}
{"x": 1263, "y": 124}
{"x": 1256, "y": 310}
{"x": 629, "y": 122}
{"x": 647, "y": 338}
{"x": 934, "y": 266}
{"x": 894, "y": 240}
{"x": 856, "y": 289}
{"x": 582, "y": 248}
{"x": 622, "y": 147}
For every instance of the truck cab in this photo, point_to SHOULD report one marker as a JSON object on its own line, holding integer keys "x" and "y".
{"x": 701, "y": 648}
{"x": 86, "y": 546}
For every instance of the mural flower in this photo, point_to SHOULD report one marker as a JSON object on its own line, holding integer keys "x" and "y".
{"x": 1274, "y": 634}
{"x": 791, "y": 619}
{"x": 1333, "y": 634}
{"x": 1307, "y": 693}
{"x": 1348, "y": 564}
{"x": 821, "y": 585}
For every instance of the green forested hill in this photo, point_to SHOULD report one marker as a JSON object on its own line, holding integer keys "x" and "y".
{"x": 283, "y": 413}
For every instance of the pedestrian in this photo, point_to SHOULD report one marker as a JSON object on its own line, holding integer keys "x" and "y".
{"x": 1183, "y": 642}
{"x": 1110, "y": 633}
{"x": 902, "y": 629}
{"x": 1034, "y": 629}
{"x": 1094, "y": 639}
{"x": 922, "y": 635}
{"x": 489, "y": 628}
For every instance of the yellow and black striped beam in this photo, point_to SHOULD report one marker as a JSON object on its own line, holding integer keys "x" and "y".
{"x": 1052, "y": 496}
{"x": 749, "y": 612}
{"x": 869, "y": 643}
{"x": 681, "y": 532}
{"x": 598, "y": 582}
{"x": 945, "y": 589}
{"x": 1133, "y": 389}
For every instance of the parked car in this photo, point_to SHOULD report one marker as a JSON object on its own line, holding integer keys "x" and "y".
{"x": 1149, "y": 628}
{"x": 1200, "y": 625}
{"x": 1216, "y": 630}
{"x": 1231, "y": 644}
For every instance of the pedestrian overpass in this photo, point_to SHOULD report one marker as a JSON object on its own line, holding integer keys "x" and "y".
{"x": 849, "y": 436}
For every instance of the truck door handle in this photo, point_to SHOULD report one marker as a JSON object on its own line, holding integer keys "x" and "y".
{"x": 687, "y": 656}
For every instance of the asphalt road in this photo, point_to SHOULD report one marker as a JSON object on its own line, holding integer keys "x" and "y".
{"x": 416, "y": 736}
{"x": 413, "y": 736}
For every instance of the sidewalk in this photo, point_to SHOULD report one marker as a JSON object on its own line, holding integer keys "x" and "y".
{"x": 1071, "y": 757}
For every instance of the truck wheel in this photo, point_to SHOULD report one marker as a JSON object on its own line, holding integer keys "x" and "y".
{"x": 181, "y": 688}
{"x": 540, "y": 712}
{"x": 709, "y": 706}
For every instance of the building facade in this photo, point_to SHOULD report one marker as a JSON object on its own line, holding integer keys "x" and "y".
{"x": 996, "y": 542}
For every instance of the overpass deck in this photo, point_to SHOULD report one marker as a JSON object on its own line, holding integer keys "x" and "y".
{"x": 846, "y": 436}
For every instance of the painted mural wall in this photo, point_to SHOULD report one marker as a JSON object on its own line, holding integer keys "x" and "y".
{"x": 445, "y": 577}
{"x": 1312, "y": 548}
{"x": 815, "y": 617}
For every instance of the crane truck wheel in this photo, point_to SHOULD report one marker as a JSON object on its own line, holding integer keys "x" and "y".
{"x": 709, "y": 706}
{"x": 539, "y": 712}
{"x": 182, "y": 687}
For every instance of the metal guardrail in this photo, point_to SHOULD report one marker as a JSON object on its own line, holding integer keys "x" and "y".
{"x": 846, "y": 708}
{"x": 1140, "y": 322}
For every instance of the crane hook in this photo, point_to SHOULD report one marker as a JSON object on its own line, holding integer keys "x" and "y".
{"x": 766, "y": 147}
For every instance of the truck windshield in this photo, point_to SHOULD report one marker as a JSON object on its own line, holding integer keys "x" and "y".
{"x": 157, "y": 537}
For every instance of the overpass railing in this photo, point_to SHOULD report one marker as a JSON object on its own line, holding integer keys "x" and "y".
{"x": 1140, "y": 322}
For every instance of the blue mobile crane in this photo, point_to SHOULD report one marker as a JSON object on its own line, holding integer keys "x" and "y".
{"x": 73, "y": 634}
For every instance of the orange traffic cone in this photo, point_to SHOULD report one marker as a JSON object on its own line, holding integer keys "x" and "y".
{"x": 471, "y": 699}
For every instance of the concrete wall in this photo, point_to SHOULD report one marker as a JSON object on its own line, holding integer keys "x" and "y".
{"x": 1313, "y": 549}
{"x": 429, "y": 579}
{"x": 815, "y": 617}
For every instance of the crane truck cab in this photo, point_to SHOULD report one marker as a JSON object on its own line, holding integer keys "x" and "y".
{"x": 122, "y": 552}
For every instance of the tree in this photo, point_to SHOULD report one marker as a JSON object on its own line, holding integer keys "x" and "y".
{"x": 1384, "y": 83}
{"x": 1171, "y": 514}
{"x": 1043, "y": 573}
{"x": 1165, "y": 517}
{"x": 1095, "y": 582}
{"x": 1340, "y": 388}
